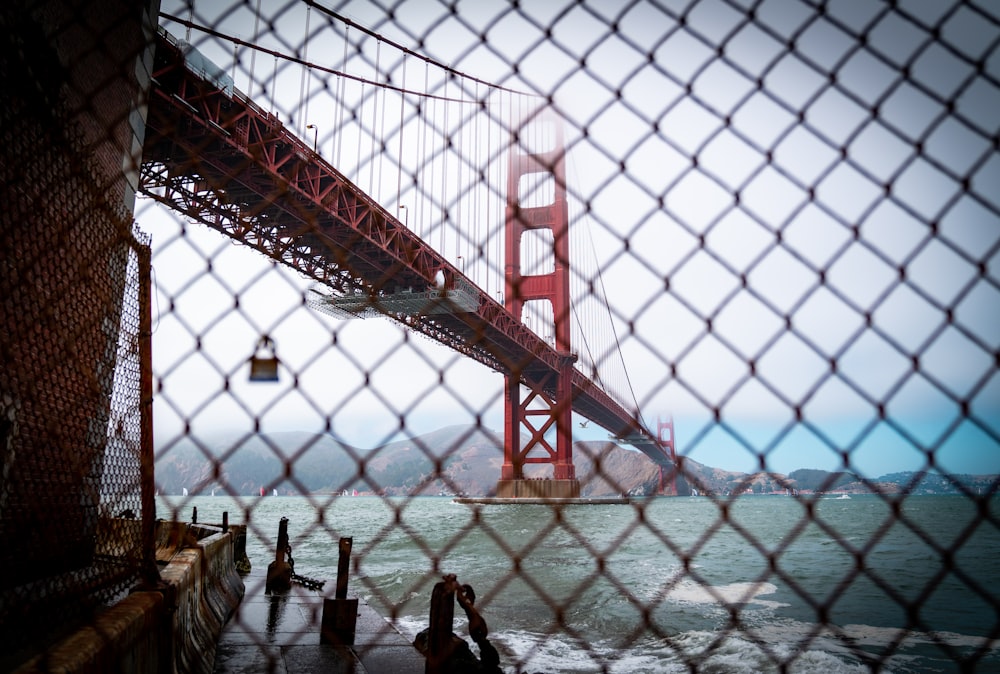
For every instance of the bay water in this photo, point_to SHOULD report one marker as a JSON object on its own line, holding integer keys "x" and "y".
{"x": 830, "y": 584}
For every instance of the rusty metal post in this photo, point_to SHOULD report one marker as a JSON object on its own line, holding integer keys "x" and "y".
{"x": 439, "y": 636}
{"x": 340, "y": 614}
{"x": 279, "y": 572}
{"x": 194, "y": 515}
{"x": 282, "y": 547}
{"x": 343, "y": 567}
{"x": 147, "y": 487}
{"x": 225, "y": 521}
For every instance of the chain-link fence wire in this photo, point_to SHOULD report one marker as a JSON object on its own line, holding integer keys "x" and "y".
{"x": 808, "y": 192}
{"x": 71, "y": 503}
{"x": 796, "y": 203}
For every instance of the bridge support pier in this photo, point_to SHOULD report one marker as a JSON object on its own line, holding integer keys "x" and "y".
{"x": 541, "y": 488}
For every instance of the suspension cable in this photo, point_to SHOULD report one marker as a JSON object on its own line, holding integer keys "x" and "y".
{"x": 300, "y": 61}
{"x": 405, "y": 50}
{"x": 603, "y": 297}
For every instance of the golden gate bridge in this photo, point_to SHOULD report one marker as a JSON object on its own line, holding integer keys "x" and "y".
{"x": 486, "y": 180}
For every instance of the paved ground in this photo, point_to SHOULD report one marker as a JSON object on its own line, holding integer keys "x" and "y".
{"x": 281, "y": 634}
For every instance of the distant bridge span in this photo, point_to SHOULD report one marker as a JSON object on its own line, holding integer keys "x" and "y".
{"x": 215, "y": 156}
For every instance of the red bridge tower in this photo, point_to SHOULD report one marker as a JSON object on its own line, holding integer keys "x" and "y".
{"x": 665, "y": 438}
{"x": 548, "y": 405}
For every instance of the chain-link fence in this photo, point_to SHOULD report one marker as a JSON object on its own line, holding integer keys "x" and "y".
{"x": 71, "y": 490}
{"x": 785, "y": 232}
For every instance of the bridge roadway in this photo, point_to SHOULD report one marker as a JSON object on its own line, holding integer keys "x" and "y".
{"x": 218, "y": 158}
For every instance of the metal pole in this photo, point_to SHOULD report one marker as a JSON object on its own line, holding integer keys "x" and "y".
{"x": 150, "y": 571}
{"x": 282, "y": 546}
{"x": 343, "y": 567}
{"x": 279, "y": 572}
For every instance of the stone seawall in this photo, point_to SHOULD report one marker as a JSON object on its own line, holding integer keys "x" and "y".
{"x": 170, "y": 629}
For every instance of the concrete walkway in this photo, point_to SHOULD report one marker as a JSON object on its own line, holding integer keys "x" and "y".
{"x": 281, "y": 634}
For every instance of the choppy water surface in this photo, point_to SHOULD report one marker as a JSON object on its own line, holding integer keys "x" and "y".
{"x": 674, "y": 576}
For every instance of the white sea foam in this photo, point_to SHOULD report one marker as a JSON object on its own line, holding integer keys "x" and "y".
{"x": 729, "y": 654}
{"x": 759, "y": 649}
{"x": 711, "y": 652}
{"x": 726, "y": 595}
{"x": 847, "y": 640}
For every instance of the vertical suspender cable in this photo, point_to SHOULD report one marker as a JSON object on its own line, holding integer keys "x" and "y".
{"x": 511, "y": 147}
{"x": 253, "y": 52}
{"x": 444, "y": 169}
{"x": 428, "y": 191}
{"x": 361, "y": 128}
{"x": 274, "y": 84}
{"x": 530, "y": 143}
{"x": 501, "y": 203}
{"x": 422, "y": 158}
{"x": 342, "y": 103}
{"x": 381, "y": 141}
{"x": 488, "y": 173}
{"x": 235, "y": 58}
{"x": 306, "y": 72}
{"x": 460, "y": 170}
{"x": 469, "y": 187}
{"x": 478, "y": 179}
{"x": 402, "y": 107}
{"x": 371, "y": 154}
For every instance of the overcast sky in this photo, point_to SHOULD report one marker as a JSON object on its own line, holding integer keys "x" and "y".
{"x": 755, "y": 193}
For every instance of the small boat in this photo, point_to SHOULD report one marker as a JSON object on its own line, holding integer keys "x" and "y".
{"x": 274, "y": 492}
{"x": 184, "y": 491}
{"x": 843, "y": 496}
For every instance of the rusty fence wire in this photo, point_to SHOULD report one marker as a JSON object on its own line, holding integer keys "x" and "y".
{"x": 71, "y": 486}
{"x": 794, "y": 214}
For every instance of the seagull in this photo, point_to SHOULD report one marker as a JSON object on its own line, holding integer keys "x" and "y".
{"x": 583, "y": 424}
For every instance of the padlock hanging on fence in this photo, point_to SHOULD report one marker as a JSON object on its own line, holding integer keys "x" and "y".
{"x": 264, "y": 362}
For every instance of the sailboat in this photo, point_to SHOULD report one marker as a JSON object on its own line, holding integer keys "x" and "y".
{"x": 274, "y": 492}
{"x": 184, "y": 491}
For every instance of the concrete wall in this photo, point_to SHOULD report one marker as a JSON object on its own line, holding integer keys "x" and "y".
{"x": 208, "y": 589}
{"x": 174, "y": 628}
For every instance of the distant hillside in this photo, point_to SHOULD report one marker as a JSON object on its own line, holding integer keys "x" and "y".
{"x": 296, "y": 463}
{"x": 470, "y": 458}
{"x": 808, "y": 479}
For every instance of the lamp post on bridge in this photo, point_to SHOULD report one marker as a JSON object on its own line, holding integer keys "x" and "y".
{"x": 315, "y": 135}
{"x": 406, "y": 215}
